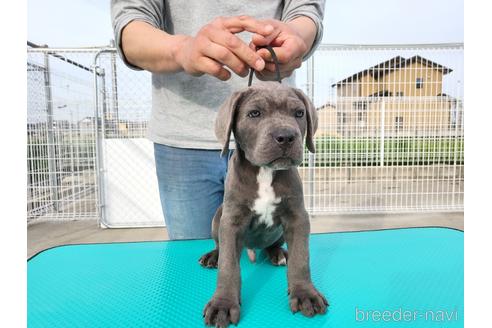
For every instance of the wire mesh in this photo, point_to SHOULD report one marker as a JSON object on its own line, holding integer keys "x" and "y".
{"x": 125, "y": 98}
{"x": 60, "y": 136}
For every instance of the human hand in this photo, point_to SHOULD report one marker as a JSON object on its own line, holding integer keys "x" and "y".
{"x": 216, "y": 46}
{"x": 292, "y": 42}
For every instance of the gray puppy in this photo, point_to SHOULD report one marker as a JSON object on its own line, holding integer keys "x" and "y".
{"x": 263, "y": 201}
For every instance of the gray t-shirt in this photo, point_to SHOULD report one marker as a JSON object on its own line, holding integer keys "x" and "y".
{"x": 183, "y": 106}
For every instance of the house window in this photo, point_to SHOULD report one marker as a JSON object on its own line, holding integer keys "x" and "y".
{"x": 419, "y": 83}
{"x": 361, "y": 109}
{"x": 341, "y": 120}
{"x": 362, "y": 116}
{"x": 399, "y": 94}
{"x": 398, "y": 123}
{"x": 360, "y": 105}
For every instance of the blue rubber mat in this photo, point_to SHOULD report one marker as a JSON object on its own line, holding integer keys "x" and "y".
{"x": 389, "y": 278}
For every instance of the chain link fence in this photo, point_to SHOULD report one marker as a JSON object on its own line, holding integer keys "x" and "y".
{"x": 390, "y": 134}
{"x": 61, "y": 176}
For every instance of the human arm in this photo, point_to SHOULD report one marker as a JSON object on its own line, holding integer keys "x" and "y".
{"x": 144, "y": 43}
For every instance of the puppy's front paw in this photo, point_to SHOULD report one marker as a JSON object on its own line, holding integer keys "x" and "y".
{"x": 307, "y": 299}
{"x": 221, "y": 311}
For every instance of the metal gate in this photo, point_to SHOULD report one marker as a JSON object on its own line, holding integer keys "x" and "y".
{"x": 129, "y": 194}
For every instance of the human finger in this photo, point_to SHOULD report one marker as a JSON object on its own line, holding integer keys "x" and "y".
{"x": 238, "y": 24}
{"x": 226, "y": 57}
{"x": 238, "y": 47}
{"x": 211, "y": 67}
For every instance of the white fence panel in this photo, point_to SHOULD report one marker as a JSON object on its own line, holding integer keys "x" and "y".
{"x": 131, "y": 197}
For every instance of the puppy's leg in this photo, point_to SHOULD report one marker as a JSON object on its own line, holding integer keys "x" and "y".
{"x": 224, "y": 306}
{"x": 210, "y": 259}
{"x": 303, "y": 296}
{"x": 276, "y": 254}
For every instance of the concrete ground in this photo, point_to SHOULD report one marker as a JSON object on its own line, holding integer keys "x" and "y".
{"x": 46, "y": 234}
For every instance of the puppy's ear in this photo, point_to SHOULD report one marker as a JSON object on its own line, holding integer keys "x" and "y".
{"x": 226, "y": 116}
{"x": 311, "y": 118}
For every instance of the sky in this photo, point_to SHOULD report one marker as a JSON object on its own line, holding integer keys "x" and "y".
{"x": 87, "y": 22}
{"x": 393, "y": 21}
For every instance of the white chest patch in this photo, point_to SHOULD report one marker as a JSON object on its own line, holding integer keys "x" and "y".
{"x": 265, "y": 204}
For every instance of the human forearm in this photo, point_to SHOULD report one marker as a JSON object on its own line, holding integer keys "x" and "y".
{"x": 150, "y": 48}
{"x": 306, "y": 29}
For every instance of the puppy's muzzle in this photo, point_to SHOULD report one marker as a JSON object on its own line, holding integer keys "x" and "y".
{"x": 284, "y": 137}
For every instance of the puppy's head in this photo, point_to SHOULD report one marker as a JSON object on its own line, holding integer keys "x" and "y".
{"x": 269, "y": 122}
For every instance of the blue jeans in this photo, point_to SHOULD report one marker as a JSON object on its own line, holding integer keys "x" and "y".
{"x": 191, "y": 188}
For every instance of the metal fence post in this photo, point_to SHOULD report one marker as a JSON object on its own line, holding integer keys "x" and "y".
{"x": 381, "y": 142}
{"x": 52, "y": 175}
{"x": 311, "y": 159}
{"x": 457, "y": 124}
{"x": 99, "y": 135}
{"x": 106, "y": 116}
{"x": 114, "y": 85}
{"x": 98, "y": 141}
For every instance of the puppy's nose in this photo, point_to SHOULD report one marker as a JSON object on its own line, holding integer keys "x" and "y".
{"x": 284, "y": 137}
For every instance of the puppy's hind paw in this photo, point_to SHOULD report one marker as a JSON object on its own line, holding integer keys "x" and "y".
{"x": 278, "y": 256}
{"x": 210, "y": 259}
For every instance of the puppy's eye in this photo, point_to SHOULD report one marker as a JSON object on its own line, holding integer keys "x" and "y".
{"x": 299, "y": 113}
{"x": 254, "y": 113}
